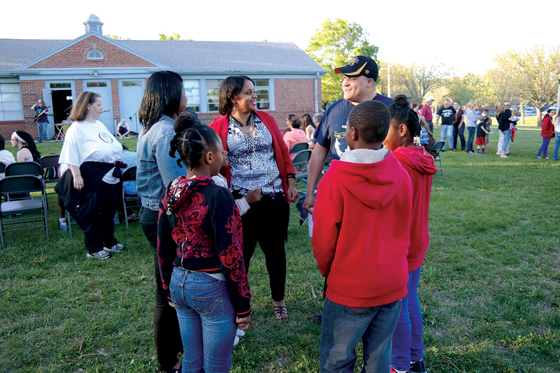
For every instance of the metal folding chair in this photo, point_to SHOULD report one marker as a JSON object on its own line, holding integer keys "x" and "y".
{"x": 133, "y": 200}
{"x": 299, "y": 147}
{"x": 434, "y": 151}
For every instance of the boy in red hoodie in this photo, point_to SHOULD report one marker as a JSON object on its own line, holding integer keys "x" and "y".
{"x": 360, "y": 240}
{"x": 408, "y": 347}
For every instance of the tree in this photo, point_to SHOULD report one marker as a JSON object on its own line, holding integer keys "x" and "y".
{"x": 469, "y": 87}
{"x": 174, "y": 36}
{"x": 534, "y": 69}
{"x": 418, "y": 80}
{"x": 332, "y": 46}
{"x": 502, "y": 86}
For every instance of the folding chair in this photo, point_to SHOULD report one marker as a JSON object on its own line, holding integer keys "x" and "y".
{"x": 24, "y": 168}
{"x": 434, "y": 152}
{"x": 299, "y": 147}
{"x": 300, "y": 163}
{"x": 133, "y": 200}
{"x": 50, "y": 161}
{"x": 22, "y": 184}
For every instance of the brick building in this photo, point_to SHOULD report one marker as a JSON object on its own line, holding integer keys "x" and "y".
{"x": 287, "y": 79}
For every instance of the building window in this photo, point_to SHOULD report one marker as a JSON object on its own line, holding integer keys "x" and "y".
{"x": 192, "y": 91}
{"x": 213, "y": 93}
{"x": 60, "y": 85}
{"x": 94, "y": 54}
{"x": 96, "y": 84}
{"x": 262, "y": 89}
{"x": 10, "y": 102}
{"x": 132, "y": 84}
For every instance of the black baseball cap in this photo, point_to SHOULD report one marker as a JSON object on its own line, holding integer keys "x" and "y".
{"x": 360, "y": 65}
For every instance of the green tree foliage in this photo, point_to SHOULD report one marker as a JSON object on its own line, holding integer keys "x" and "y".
{"x": 115, "y": 37}
{"x": 332, "y": 46}
{"x": 174, "y": 36}
{"x": 469, "y": 87}
{"x": 534, "y": 69}
{"x": 417, "y": 80}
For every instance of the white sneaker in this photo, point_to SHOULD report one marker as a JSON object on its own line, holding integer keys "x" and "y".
{"x": 240, "y": 333}
{"x": 117, "y": 248}
{"x": 99, "y": 255}
{"x": 236, "y": 341}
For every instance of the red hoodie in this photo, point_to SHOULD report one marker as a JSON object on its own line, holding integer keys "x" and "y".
{"x": 361, "y": 231}
{"x": 421, "y": 168}
{"x": 547, "y": 127}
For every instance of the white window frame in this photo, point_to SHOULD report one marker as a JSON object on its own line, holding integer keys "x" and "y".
{"x": 204, "y": 104}
{"x": 19, "y": 110}
{"x": 199, "y": 94}
{"x": 91, "y": 52}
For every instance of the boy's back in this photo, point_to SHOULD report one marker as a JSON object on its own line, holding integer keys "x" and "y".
{"x": 361, "y": 223}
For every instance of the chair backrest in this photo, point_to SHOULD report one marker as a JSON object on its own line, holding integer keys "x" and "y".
{"x": 2, "y": 167}
{"x": 21, "y": 184}
{"x": 24, "y": 168}
{"x": 299, "y": 147}
{"x": 437, "y": 148}
{"x": 129, "y": 175}
{"x": 302, "y": 158}
{"x": 50, "y": 161}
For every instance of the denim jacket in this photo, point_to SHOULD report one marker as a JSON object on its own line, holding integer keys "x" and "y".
{"x": 156, "y": 169}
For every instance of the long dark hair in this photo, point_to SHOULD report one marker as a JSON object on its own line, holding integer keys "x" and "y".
{"x": 80, "y": 108}
{"x": 192, "y": 140}
{"x": 401, "y": 113}
{"x": 30, "y": 144}
{"x": 162, "y": 96}
{"x": 307, "y": 121}
{"x": 230, "y": 87}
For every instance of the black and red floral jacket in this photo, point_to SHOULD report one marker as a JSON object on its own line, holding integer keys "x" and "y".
{"x": 199, "y": 229}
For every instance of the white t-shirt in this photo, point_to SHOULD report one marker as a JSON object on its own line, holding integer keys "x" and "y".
{"x": 90, "y": 142}
{"x": 6, "y": 157}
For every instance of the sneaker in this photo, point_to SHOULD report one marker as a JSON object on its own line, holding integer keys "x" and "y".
{"x": 236, "y": 341}
{"x": 471, "y": 152}
{"x": 393, "y": 370}
{"x": 418, "y": 367}
{"x": 62, "y": 223}
{"x": 318, "y": 318}
{"x": 117, "y": 248}
{"x": 240, "y": 333}
{"x": 99, "y": 255}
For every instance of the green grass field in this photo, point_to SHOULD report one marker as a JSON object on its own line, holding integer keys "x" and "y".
{"x": 489, "y": 289}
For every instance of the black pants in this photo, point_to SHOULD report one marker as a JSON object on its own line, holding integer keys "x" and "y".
{"x": 100, "y": 231}
{"x": 267, "y": 223}
{"x": 461, "y": 133}
{"x": 167, "y": 335}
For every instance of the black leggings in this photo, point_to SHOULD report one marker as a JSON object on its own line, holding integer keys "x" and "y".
{"x": 267, "y": 223}
{"x": 99, "y": 231}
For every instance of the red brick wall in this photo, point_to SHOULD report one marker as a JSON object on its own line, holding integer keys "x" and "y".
{"x": 116, "y": 102}
{"x": 31, "y": 91}
{"x": 75, "y": 56}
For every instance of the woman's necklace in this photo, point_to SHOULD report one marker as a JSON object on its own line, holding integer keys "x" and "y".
{"x": 250, "y": 123}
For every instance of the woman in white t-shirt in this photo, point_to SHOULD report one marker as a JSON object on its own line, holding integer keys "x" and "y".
{"x": 90, "y": 146}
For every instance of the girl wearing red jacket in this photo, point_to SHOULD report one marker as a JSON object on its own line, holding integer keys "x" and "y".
{"x": 547, "y": 133}
{"x": 258, "y": 158}
{"x": 408, "y": 347}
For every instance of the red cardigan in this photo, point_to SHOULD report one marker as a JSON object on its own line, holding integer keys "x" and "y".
{"x": 281, "y": 153}
{"x": 547, "y": 127}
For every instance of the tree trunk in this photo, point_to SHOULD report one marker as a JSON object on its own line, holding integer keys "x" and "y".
{"x": 539, "y": 117}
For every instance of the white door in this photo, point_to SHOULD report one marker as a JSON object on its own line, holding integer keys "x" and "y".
{"x": 131, "y": 93}
{"x": 103, "y": 87}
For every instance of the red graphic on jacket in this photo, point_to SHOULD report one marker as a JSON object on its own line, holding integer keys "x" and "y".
{"x": 199, "y": 229}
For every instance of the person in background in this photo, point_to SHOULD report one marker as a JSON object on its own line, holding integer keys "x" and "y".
{"x": 448, "y": 117}
{"x": 27, "y": 149}
{"x": 481, "y": 132}
{"x": 289, "y": 121}
{"x": 557, "y": 133}
{"x": 122, "y": 129}
{"x": 471, "y": 117}
{"x": 164, "y": 99}
{"x": 426, "y": 114}
{"x": 6, "y": 157}
{"x": 316, "y": 121}
{"x": 502, "y": 116}
{"x": 307, "y": 126}
{"x": 547, "y": 133}
{"x": 459, "y": 126}
{"x": 42, "y": 114}
{"x": 295, "y": 136}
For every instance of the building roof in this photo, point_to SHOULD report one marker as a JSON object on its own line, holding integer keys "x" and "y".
{"x": 184, "y": 56}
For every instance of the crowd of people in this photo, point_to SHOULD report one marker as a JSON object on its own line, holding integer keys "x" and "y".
{"x": 210, "y": 193}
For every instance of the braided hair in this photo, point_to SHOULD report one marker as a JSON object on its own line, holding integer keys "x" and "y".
{"x": 401, "y": 113}
{"x": 192, "y": 140}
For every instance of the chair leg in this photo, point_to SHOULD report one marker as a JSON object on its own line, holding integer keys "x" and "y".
{"x": 45, "y": 213}
{"x": 2, "y": 232}
{"x": 69, "y": 222}
{"x": 125, "y": 214}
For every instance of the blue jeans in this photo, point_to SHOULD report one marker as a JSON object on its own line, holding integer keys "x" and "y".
{"x": 544, "y": 147}
{"x": 407, "y": 340}
{"x": 557, "y": 146}
{"x": 42, "y": 129}
{"x": 507, "y": 139}
{"x": 471, "y": 130}
{"x": 343, "y": 327}
{"x": 206, "y": 319}
{"x": 447, "y": 131}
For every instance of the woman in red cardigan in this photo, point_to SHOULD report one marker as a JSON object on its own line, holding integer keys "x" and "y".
{"x": 258, "y": 158}
{"x": 547, "y": 133}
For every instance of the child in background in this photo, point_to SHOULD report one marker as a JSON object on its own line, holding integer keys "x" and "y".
{"x": 487, "y": 124}
{"x": 408, "y": 347}
{"x": 200, "y": 251}
{"x": 513, "y": 122}
{"x": 482, "y": 131}
{"x": 360, "y": 241}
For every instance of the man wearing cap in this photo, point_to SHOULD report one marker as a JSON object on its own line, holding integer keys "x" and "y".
{"x": 426, "y": 114}
{"x": 448, "y": 117}
{"x": 358, "y": 84}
